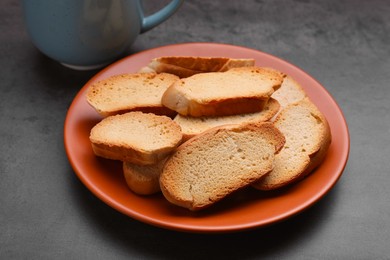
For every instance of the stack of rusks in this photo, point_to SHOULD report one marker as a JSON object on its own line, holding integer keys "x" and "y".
{"x": 198, "y": 129}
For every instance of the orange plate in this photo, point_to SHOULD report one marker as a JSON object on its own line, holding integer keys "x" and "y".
{"x": 244, "y": 210}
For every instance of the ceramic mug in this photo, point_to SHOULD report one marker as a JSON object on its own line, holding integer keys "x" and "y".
{"x": 88, "y": 34}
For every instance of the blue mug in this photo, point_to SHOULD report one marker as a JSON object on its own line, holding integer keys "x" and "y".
{"x": 89, "y": 34}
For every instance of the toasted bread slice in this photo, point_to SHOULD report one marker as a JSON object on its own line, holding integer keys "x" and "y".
{"x": 143, "y": 179}
{"x": 192, "y": 126}
{"x": 289, "y": 92}
{"x": 186, "y": 66}
{"x": 216, "y": 163}
{"x": 131, "y": 92}
{"x": 236, "y": 91}
{"x": 308, "y": 138}
{"x": 135, "y": 137}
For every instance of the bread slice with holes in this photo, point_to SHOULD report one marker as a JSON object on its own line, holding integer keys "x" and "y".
{"x": 123, "y": 93}
{"x": 308, "y": 138}
{"x": 186, "y": 66}
{"x": 143, "y": 179}
{"x": 212, "y": 165}
{"x": 140, "y": 138}
{"x": 236, "y": 91}
{"x": 192, "y": 126}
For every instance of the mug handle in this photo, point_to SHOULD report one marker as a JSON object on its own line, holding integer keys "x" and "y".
{"x": 160, "y": 16}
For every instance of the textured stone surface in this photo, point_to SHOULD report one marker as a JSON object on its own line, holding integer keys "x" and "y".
{"x": 46, "y": 213}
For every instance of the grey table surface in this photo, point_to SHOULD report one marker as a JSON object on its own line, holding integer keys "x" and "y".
{"x": 47, "y": 213}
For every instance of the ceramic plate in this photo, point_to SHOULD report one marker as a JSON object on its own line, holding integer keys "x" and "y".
{"x": 244, "y": 210}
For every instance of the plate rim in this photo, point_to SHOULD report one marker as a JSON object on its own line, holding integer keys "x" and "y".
{"x": 193, "y": 228}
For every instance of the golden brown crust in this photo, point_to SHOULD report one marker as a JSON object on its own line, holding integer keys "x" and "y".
{"x": 135, "y": 137}
{"x": 226, "y": 107}
{"x": 192, "y": 126}
{"x": 205, "y": 64}
{"x": 212, "y": 165}
{"x": 143, "y": 179}
{"x": 127, "y": 153}
{"x": 237, "y": 91}
{"x": 318, "y": 157}
{"x": 123, "y": 93}
{"x": 305, "y": 148}
{"x": 186, "y": 66}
